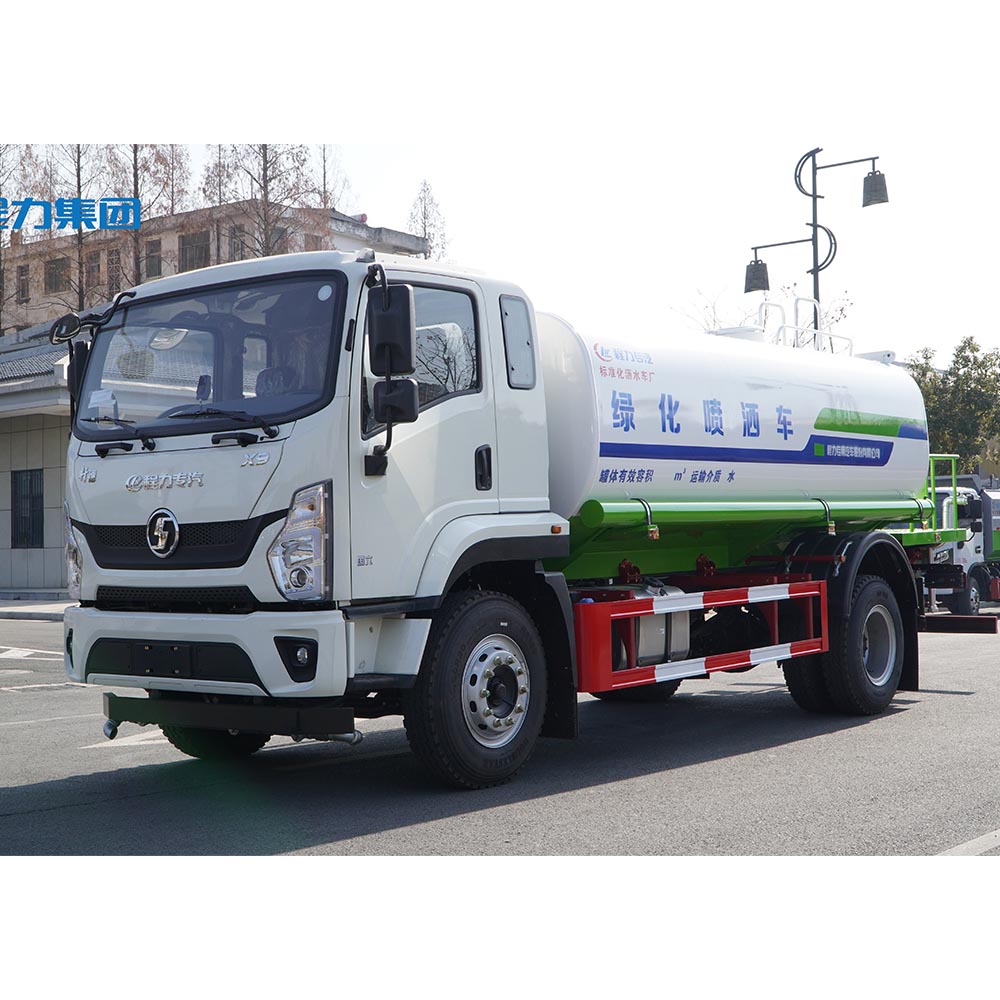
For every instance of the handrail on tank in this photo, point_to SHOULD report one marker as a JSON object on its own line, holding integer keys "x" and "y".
{"x": 805, "y": 336}
{"x": 931, "y": 488}
{"x": 765, "y": 308}
{"x": 814, "y": 310}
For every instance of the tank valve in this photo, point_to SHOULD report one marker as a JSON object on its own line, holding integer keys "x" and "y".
{"x": 110, "y": 729}
{"x": 652, "y": 530}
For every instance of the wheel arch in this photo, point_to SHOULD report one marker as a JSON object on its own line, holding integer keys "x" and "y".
{"x": 545, "y": 596}
{"x": 875, "y": 553}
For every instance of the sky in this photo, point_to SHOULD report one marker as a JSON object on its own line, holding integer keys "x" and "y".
{"x": 621, "y": 166}
{"x": 619, "y": 162}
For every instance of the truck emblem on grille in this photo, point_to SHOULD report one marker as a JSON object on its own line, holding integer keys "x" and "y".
{"x": 136, "y": 483}
{"x": 162, "y": 532}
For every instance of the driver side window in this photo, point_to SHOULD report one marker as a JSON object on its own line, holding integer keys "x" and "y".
{"x": 447, "y": 359}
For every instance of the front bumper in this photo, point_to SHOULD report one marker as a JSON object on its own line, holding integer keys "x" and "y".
{"x": 251, "y": 634}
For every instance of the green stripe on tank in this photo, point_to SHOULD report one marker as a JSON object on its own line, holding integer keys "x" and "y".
{"x": 855, "y": 422}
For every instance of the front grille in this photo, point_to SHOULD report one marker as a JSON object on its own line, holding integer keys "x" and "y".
{"x": 202, "y": 545}
{"x": 221, "y": 600}
{"x": 201, "y": 534}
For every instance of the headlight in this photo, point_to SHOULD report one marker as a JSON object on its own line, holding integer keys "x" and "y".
{"x": 299, "y": 557}
{"x": 74, "y": 563}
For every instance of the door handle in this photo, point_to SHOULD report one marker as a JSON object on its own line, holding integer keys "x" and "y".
{"x": 484, "y": 467}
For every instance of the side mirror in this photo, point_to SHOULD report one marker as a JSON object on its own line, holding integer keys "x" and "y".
{"x": 392, "y": 331}
{"x": 396, "y": 402}
{"x": 64, "y": 329}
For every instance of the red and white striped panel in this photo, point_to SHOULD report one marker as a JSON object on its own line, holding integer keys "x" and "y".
{"x": 738, "y": 596}
{"x": 699, "y": 666}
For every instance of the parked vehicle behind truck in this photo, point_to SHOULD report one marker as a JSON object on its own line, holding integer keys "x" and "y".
{"x": 308, "y": 489}
{"x": 972, "y": 506}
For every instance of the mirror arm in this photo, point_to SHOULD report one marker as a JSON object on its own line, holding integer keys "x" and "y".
{"x": 377, "y": 462}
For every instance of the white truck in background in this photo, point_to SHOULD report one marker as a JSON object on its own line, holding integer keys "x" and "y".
{"x": 972, "y": 506}
{"x": 312, "y": 488}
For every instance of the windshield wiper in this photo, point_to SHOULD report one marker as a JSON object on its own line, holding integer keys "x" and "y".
{"x": 148, "y": 443}
{"x": 247, "y": 418}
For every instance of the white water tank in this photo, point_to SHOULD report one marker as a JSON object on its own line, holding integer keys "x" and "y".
{"x": 702, "y": 418}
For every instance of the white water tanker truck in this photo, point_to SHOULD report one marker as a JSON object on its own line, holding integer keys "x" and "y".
{"x": 313, "y": 488}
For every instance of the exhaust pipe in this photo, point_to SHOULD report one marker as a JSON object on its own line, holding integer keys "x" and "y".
{"x": 351, "y": 739}
{"x": 110, "y": 729}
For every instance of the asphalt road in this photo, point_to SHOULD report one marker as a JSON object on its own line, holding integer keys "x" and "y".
{"x": 729, "y": 766}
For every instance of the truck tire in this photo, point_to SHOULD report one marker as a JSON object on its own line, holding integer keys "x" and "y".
{"x": 646, "y": 694}
{"x": 214, "y": 744}
{"x": 806, "y": 683}
{"x": 474, "y": 715}
{"x": 969, "y": 600}
{"x": 865, "y": 661}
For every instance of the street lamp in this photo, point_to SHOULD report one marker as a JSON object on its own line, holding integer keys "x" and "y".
{"x": 874, "y": 194}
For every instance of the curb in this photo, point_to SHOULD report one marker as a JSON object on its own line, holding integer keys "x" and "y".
{"x": 31, "y": 616}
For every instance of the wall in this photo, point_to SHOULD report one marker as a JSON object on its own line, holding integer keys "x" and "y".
{"x": 32, "y": 442}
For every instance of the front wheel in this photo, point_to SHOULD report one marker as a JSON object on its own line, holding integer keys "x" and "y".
{"x": 475, "y": 713}
{"x": 969, "y": 600}
{"x": 214, "y": 744}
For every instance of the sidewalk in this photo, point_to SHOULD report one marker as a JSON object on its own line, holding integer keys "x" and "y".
{"x": 37, "y": 611}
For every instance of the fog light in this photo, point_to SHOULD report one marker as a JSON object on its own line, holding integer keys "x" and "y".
{"x": 298, "y": 577}
{"x": 298, "y": 656}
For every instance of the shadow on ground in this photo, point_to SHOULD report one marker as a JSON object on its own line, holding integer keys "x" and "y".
{"x": 307, "y": 795}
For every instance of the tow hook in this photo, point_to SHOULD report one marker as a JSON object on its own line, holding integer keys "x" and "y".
{"x": 110, "y": 729}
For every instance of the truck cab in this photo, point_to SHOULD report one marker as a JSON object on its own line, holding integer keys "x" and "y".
{"x": 242, "y": 522}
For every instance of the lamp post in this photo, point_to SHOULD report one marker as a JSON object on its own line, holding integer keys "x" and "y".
{"x": 874, "y": 194}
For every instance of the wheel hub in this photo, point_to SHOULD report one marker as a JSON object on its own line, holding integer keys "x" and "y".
{"x": 878, "y": 645}
{"x": 495, "y": 691}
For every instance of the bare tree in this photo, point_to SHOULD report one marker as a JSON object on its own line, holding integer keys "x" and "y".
{"x": 14, "y": 164}
{"x": 82, "y": 171}
{"x": 273, "y": 180}
{"x": 218, "y": 184}
{"x": 177, "y": 164}
{"x": 139, "y": 170}
{"x": 427, "y": 221}
{"x": 333, "y": 186}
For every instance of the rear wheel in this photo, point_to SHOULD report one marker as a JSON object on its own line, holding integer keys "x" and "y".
{"x": 865, "y": 661}
{"x": 474, "y": 716}
{"x": 214, "y": 744}
{"x": 806, "y": 683}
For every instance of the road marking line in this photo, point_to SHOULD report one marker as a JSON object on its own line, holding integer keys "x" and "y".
{"x": 980, "y": 845}
{"x": 17, "y": 653}
{"x": 128, "y": 741}
{"x": 33, "y": 687}
{"x": 14, "y": 673}
{"x": 57, "y": 718}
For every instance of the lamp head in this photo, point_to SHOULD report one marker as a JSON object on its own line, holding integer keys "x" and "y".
{"x": 875, "y": 192}
{"x": 756, "y": 280}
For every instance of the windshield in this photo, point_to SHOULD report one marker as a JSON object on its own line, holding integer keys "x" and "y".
{"x": 255, "y": 353}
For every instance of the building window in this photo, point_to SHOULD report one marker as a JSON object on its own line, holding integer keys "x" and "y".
{"x": 57, "y": 275}
{"x": 154, "y": 262}
{"x": 26, "y": 510}
{"x": 93, "y": 269}
{"x": 237, "y": 243}
{"x": 279, "y": 240}
{"x": 313, "y": 242}
{"x": 194, "y": 248}
{"x": 23, "y": 287}
{"x": 114, "y": 272}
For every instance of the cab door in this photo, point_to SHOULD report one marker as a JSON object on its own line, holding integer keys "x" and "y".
{"x": 440, "y": 466}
